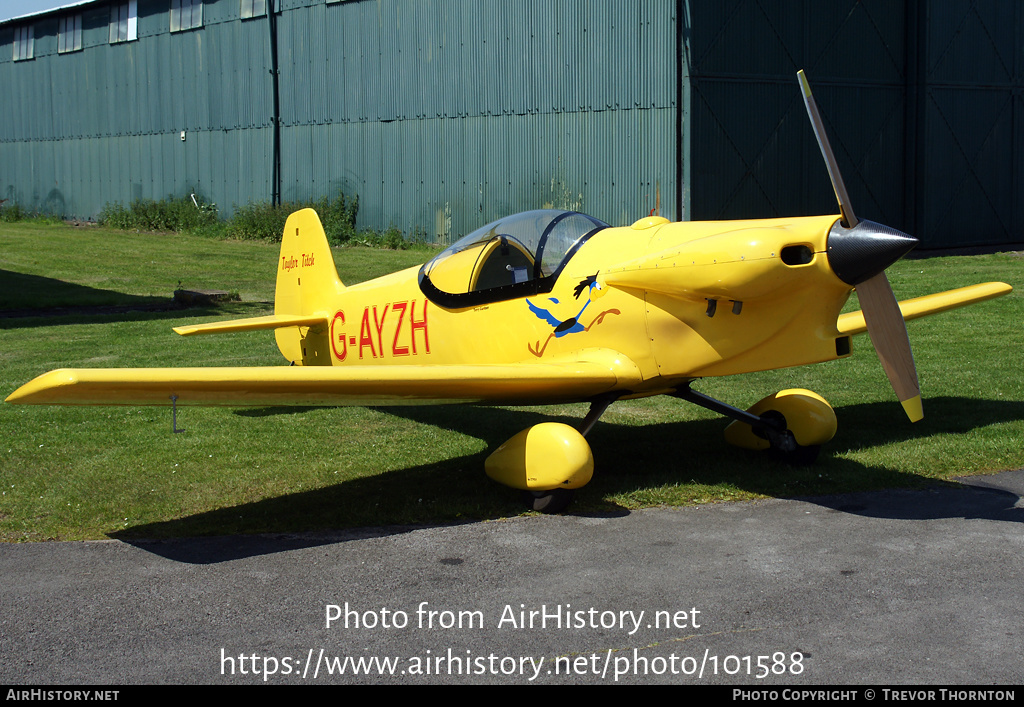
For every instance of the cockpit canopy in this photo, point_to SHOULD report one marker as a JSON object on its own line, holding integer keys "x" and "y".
{"x": 516, "y": 256}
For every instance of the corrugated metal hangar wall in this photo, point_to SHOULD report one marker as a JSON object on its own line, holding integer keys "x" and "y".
{"x": 444, "y": 114}
{"x": 439, "y": 114}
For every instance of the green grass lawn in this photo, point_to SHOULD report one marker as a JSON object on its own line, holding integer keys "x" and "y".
{"x": 69, "y": 473}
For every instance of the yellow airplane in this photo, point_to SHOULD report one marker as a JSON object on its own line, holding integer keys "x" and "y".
{"x": 558, "y": 307}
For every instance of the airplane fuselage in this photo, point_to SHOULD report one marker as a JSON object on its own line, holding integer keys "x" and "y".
{"x": 679, "y": 301}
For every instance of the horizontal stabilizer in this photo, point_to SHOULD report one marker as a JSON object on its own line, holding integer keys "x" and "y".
{"x": 532, "y": 383}
{"x": 853, "y": 322}
{"x": 273, "y": 321}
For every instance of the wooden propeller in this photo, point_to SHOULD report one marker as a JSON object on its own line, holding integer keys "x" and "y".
{"x": 882, "y": 315}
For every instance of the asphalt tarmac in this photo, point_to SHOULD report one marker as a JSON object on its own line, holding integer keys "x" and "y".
{"x": 883, "y": 588}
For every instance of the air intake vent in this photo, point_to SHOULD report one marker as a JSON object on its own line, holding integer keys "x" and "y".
{"x": 797, "y": 255}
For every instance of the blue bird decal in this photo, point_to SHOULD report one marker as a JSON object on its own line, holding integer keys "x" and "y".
{"x": 572, "y": 324}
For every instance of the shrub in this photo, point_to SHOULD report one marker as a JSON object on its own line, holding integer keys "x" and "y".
{"x": 172, "y": 214}
{"x": 262, "y": 221}
{"x": 257, "y": 220}
{"x": 391, "y": 238}
{"x": 12, "y": 213}
{"x": 9, "y": 213}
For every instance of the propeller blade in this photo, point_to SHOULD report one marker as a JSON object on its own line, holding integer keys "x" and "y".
{"x": 849, "y": 219}
{"x": 860, "y": 261}
{"x": 888, "y": 333}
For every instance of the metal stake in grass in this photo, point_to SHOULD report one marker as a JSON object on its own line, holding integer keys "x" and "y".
{"x": 174, "y": 415}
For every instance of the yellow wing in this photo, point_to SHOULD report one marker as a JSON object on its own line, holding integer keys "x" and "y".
{"x": 853, "y": 322}
{"x": 519, "y": 384}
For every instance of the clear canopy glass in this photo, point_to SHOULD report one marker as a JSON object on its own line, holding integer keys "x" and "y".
{"x": 514, "y": 256}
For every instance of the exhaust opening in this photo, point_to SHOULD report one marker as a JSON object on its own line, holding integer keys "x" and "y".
{"x": 843, "y": 346}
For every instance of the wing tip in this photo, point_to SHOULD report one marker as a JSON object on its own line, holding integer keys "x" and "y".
{"x": 36, "y": 390}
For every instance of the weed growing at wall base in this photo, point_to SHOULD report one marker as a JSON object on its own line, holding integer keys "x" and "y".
{"x": 256, "y": 221}
{"x": 263, "y": 221}
{"x": 188, "y": 213}
{"x": 11, "y": 213}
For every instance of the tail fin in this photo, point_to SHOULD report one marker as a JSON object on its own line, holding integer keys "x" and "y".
{"x": 307, "y": 283}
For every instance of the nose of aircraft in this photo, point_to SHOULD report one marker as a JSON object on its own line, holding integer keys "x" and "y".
{"x": 859, "y": 253}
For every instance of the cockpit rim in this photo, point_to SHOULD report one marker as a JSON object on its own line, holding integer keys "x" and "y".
{"x": 537, "y": 284}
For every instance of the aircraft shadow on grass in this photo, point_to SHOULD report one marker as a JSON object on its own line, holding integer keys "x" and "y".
{"x": 91, "y": 305}
{"x": 628, "y": 458}
{"x": 19, "y": 303}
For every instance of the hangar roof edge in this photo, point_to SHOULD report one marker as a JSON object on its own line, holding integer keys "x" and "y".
{"x": 52, "y": 11}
